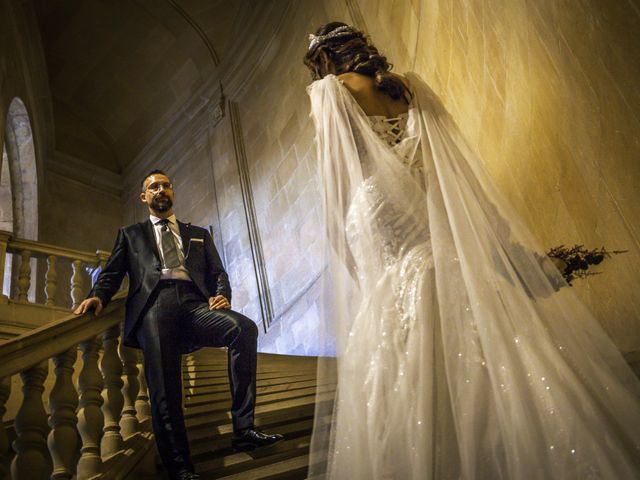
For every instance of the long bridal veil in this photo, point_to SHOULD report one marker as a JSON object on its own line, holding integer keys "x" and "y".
{"x": 455, "y": 348}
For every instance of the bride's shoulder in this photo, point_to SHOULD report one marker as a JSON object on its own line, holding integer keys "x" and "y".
{"x": 323, "y": 84}
{"x": 355, "y": 81}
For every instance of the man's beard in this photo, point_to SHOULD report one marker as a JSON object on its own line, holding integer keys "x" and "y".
{"x": 161, "y": 204}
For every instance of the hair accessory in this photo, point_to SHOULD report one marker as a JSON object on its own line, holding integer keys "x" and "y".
{"x": 342, "y": 31}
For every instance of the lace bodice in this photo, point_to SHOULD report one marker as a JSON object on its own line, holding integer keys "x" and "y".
{"x": 387, "y": 209}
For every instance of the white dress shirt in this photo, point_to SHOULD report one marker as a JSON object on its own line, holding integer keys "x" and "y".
{"x": 178, "y": 273}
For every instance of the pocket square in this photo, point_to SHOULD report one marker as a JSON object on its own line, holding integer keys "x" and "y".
{"x": 199, "y": 240}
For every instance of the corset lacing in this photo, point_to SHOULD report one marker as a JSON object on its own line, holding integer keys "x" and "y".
{"x": 389, "y": 129}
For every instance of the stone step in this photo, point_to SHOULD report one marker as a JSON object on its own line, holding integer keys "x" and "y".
{"x": 217, "y": 445}
{"x": 198, "y": 383}
{"x": 222, "y": 400}
{"x": 211, "y": 396}
{"x": 218, "y": 413}
{"x": 202, "y": 391}
{"x": 267, "y": 421}
{"x": 271, "y": 369}
{"x": 287, "y": 392}
{"x": 268, "y": 461}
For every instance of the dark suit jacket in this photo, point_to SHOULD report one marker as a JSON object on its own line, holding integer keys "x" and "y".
{"x": 136, "y": 253}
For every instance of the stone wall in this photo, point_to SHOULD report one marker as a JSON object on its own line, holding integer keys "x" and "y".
{"x": 203, "y": 168}
{"x": 278, "y": 134}
{"x": 69, "y": 213}
{"x": 266, "y": 125}
{"x": 543, "y": 92}
{"x": 546, "y": 94}
{"x": 24, "y": 96}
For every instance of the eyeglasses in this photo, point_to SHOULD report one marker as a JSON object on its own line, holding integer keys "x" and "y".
{"x": 157, "y": 186}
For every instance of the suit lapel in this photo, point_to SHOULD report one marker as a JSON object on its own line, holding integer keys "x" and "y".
{"x": 147, "y": 227}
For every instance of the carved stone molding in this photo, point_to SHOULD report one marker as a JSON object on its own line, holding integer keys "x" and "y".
{"x": 257, "y": 255}
{"x": 264, "y": 20}
{"x": 85, "y": 173}
{"x": 196, "y": 27}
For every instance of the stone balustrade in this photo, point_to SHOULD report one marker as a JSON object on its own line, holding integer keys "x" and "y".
{"x": 25, "y": 250}
{"x": 97, "y": 429}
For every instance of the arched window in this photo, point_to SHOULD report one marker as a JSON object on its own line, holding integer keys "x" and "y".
{"x": 19, "y": 186}
{"x": 6, "y": 213}
{"x": 6, "y": 202}
{"x": 21, "y": 160}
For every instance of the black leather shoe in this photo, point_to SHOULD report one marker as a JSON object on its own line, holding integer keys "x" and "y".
{"x": 186, "y": 475}
{"x": 251, "y": 439}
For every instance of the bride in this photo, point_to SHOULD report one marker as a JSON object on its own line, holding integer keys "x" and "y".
{"x": 459, "y": 354}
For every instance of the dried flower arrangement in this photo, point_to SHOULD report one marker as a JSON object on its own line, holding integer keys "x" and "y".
{"x": 575, "y": 261}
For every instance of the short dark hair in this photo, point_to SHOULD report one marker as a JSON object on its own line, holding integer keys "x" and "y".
{"x": 152, "y": 172}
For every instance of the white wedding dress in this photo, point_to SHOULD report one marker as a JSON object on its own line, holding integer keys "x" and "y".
{"x": 459, "y": 354}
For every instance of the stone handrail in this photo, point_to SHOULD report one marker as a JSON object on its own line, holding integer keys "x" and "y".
{"x": 49, "y": 340}
{"x": 28, "y": 249}
{"x": 109, "y": 410}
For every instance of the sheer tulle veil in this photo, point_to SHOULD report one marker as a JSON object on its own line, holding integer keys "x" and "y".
{"x": 509, "y": 375}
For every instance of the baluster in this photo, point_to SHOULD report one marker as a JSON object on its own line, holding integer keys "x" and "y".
{"x": 5, "y": 391}
{"x": 24, "y": 276}
{"x": 111, "y": 367}
{"x": 51, "y": 281}
{"x": 147, "y": 465}
{"x": 142, "y": 402}
{"x": 129, "y": 421}
{"x": 63, "y": 402}
{"x": 90, "y": 418}
{"x": 31, "y": 460}
{"x": 101, "y": 260}
{"x": 76, "y": 283}
{"x": 4, "y": 239}
{"x": 102, "y": 257}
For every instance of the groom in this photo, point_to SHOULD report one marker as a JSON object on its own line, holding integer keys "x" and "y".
{"x": 179, "y": 300}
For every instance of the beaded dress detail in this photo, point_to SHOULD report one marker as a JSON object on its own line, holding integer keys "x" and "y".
{"x": 457, "y": 355}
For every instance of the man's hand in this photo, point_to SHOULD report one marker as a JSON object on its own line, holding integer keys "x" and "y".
{"x": 218, "y": 302}
{"x": 91, "y": 303}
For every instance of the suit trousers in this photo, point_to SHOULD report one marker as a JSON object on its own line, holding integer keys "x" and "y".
{"x": 178, "y": 313}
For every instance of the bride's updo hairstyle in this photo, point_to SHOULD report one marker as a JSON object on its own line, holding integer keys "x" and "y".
{"x": 350, "y": 51}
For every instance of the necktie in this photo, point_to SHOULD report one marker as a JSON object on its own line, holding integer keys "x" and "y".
{"x": 169, "y": 247}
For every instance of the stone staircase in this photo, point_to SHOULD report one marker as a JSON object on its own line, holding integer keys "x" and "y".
{"x": 79, "y": 399}
{"x": 73, "y": 400}
{"x": 286, "y": 394}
